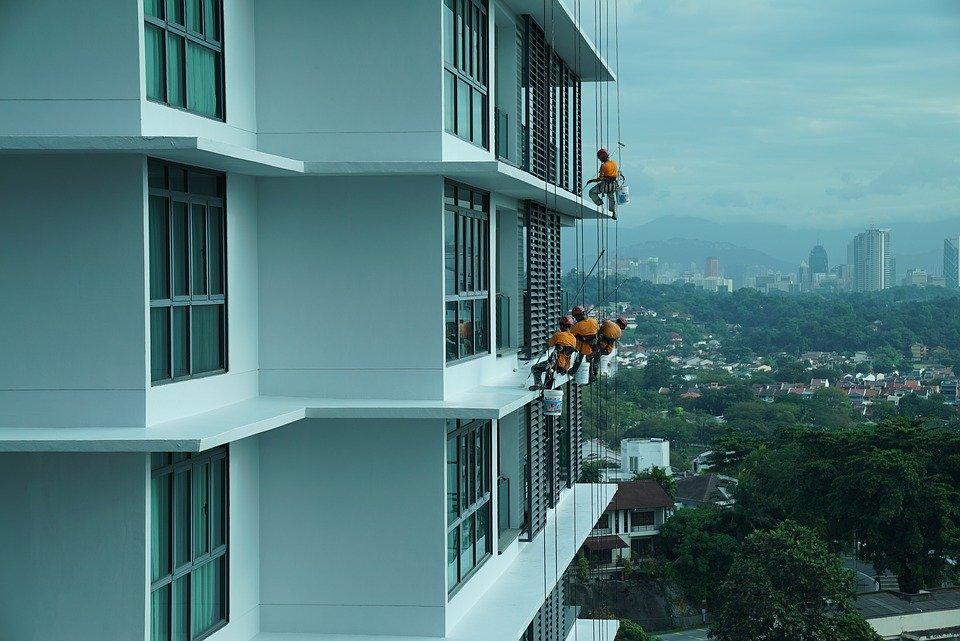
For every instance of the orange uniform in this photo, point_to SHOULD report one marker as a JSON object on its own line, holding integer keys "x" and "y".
{"x": 610, "y": 333}
{"x": 586, "y": 333}
{"x": 563, "y": 343}
{"x": 609, "y": 170}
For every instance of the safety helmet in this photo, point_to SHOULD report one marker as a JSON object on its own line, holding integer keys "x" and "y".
{"x": 622, "y": 322}
{"x": 602, "y": 154}
{"x": 578, "y": 312}
{"x": 567, "y": 321}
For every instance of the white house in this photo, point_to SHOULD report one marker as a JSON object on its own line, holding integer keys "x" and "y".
{"x": 640, "y": 455}
{"x": 242, "y": 241}
{"x": 630, "y": 524}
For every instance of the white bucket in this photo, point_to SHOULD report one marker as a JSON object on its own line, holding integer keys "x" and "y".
{"x": 605, "y": 362}
{"x": 552, "y": 402}
{"x": 583, "y": 374}
{"x": 623, "y": 195}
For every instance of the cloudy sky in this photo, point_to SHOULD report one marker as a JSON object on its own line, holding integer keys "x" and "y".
{"x": 814, "y": 113}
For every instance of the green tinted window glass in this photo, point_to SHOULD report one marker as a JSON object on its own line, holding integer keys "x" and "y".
{"x": 453, "y": 490}
{"x": 201, "y": 510}
{"x": 453, "y": 539}
{"x": 181, "y": 245}
{"x": 176, "y": 72}
{"x": 160, "y": 614}
{"x": 175, "y": 11}
{"x": 159, "y": 249}
{"x": 155, "y": 62}
{"x": 218, "y": 485}
{"x": 159, "y": 527}
{"x": 159, "y": 459}
{"x": 153, "y": 8}
{"x": 449, "y": 100}
{"x": 159, "y": 343}
{"x": 207, "y": 597}
{"x": 479, "y": 123}
{"x": 215, "y": 249}
{"x": 181, "y": 341}
{"x": 198, "y": 250}
{"x": 463, "y": 109}
{"x": 211, "y": 25}
{"x": 181, "y": 518}
{"x": 194, "y": 14}
{"x": 202, "y": 80}
{"x": 180, "y": 609}
{"x": 207, "y": 330}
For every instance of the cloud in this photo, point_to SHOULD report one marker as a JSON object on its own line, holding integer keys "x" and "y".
{"x": 900, "y": 178}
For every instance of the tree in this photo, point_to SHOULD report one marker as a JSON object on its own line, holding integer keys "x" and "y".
{"x": 583, "y": 568}
{"x": 700, "y": 549}
{"x": 662, "y": 478}
{"x": 590, "y": 472}
{"x": 784, "y": 586}
{"x": 630, "y": 631}
{"x": 717, "y": 400}
{"x": 760, "y": 419}
{"x": 659, "y": 372}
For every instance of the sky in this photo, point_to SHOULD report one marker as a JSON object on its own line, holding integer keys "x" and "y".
{"x": 810, "y": 113}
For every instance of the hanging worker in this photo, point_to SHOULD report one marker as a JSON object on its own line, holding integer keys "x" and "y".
{"x": 564, "y": 344}
{"x": 606, "y": 182}
{"x": 585, "y": 330}
{"x": 610, "y": 333}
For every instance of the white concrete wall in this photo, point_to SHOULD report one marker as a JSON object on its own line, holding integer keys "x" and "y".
{"x": 70, "y": 67}
{"x": 74, "y": 535}
{"x": 352, "y": 532}
{"x": 649, "y": 454}
{"x": 893, "y": 626}
{"x": 73, "y": 333}
{"x": 240, "y": 59}
{"x": 176, "y": 400}
{"x": 351, "y": 287}
{"x": 350, "y": 81}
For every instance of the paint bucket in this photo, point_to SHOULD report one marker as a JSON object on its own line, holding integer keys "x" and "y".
{"x": 552, "y": 402}
{"x": 623, "y": 195}
{"x": 583, "y": 374}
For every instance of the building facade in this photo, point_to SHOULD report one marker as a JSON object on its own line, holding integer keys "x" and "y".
{"x": 630, "y": 525}
{"x": 249, "y": 252}
{"x": 951, "y": 262}
{"x": 873, "y": 268}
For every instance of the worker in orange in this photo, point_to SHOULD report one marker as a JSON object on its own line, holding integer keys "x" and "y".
{"x": 564, "y": 344}
{"x": 610, "y": 333}
{"x": 585, "y": 329}
{"x": 605, "y": 182}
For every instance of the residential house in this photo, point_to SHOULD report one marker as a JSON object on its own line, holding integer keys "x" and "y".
{"x": 705, "y": 489}
{"x": 629, "y": 526}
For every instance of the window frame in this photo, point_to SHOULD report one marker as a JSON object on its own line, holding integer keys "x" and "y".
{"x": 190, "y": 300}
{"x": 471, "y": 55}
{"x": 177, "y": 463}
{"x": 472, "y": 269}
{"x": 458, "y": 430}
{"x": 167, "y": 27}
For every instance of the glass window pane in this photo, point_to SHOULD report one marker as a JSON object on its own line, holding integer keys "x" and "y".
{"x": 159, "y": 343}
{"x": 483, "y": 527}
{"x": 181, "y": 341}
{"x": 453, "y": 538}
{"x": 449, "y": 30}
{"x": 466, "y": 545}
{"x": 482, "y": 308}
{"x": 469, "y": 225}
{"x": 475, "y": 250}
{"x": 153, "y": 43}
{"x": 156, "y": 175}
{"x": 461, "y": 254}
{"x": 477, "y": 464}
{"x": 218, "y": 495}
{"x": 180, "y": 611}
{"x": 463, "y": 197}
{"x": 465, "y": 470}
{"x": 194, "y": 11}
{"x": 211, "y": 26}
{"x": 451, "y": 338}
{"x": 181, "y": 518}
{"x": 203, "y": 80}
{"x": 198, "y": 250}
{"x": 463, "y": 109}
{"x": 160, "y": 614}
{"x": 153, "y": 8}
{"x": 207, "y": 332}
{"x": 479, "y": 121}
{"x": 159, "y": 459}
{"x": 449, "y": 98}
{"x": 466, "y": 328}
{"x": 201, "y": 540}
{"x": 449, "y": 252}
{"x": 204, "y": 183}
{"x": 181, "y": 254}
{"x": 215, "y": 249}
{"x": 159, "y": 527}
{"x": 207, "y": 602}
{"x": 159, "y": 249}
{"x": 178, "y": 178}
{"x": 176, "y": 92}
{"x": 452, "y": 484}
{"x": 175, "y": 11}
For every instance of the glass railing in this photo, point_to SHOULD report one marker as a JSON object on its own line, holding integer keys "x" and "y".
{"x": 503, "y": 134}
{"x": 504, "y": 335}
{"x": 570, "y": 614}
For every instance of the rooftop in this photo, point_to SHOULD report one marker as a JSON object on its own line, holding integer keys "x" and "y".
{"x": 888, "y": 604}
{"x": 632, "y": 495}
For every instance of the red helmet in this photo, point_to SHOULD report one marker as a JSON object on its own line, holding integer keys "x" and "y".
{"x": 622, "y": 322}
{"x": 578, "y": 312}
{"x": 602, "y": 154}
{"x": 566, "y": 321}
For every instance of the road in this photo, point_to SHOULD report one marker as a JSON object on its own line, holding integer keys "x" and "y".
{"x": 699, "y": 634}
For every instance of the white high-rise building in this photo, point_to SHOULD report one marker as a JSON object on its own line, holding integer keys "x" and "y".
{"x": 951, "y": 262}
{"x": 872, "y": 264}
{"x": 274, "y": 272}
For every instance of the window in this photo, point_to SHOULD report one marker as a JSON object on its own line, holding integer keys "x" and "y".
{"x": 634, "y": 464}
{"x": 184, "y": 54}
{"x": 188, "y": 544}
{"x": 187, "y": 273}
{"x": 465, "y": 73}
{"x": 604, "y": 522}
{"x": 641, "y": 519}
{"x": 468, "y": 498}
{"x": 466, "y": 271}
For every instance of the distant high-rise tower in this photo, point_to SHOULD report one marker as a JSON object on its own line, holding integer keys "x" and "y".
{"x": 951, "y": 262}
{"x": 818, "y": 260}
{"x": 872, "y": 265}
{"x": 711, "y": 267}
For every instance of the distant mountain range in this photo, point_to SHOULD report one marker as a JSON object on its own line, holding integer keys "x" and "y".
{"x": 914, "y": 244}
